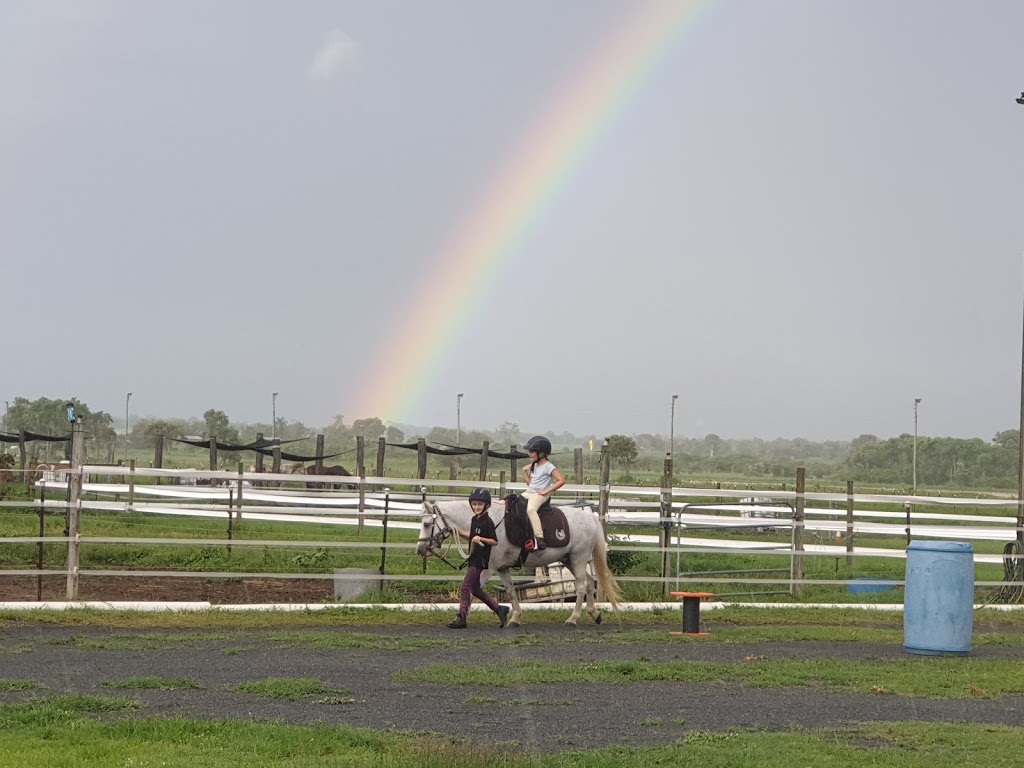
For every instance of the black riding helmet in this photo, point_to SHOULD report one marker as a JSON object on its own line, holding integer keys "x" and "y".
{"x": 481, "y": 494}
{"x": 540, "y": 444}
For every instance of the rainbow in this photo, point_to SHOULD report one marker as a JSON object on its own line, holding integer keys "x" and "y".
{"x": 462, "y": 278}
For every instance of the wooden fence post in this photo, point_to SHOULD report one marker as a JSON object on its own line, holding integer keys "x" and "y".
{"x": 158, "y": 456}
{"x": 213, "y": 453}
{"x": 42, "y": 532}
{"x": 24, "y": 458}
{"x": 604, "y": 487}
{"x": 241, "y": 472}
{"x": 577, "y": 465}
{"x": 259, "y": 456}
{"x": 318, "y": 467}
{"x": 453, "y": 472}
{"x": 361, "y": 470}
{"x": 74, "y": 508}
{"x": 381, "y": 447}
{"x": 484, "y": 456}
{"x": 849, "y": 522}
{"x": 501, "y": 485}
{"x": 666, "y": 521}
{"x": 796, "y": 570}
{"x": 384, "y": 532}
{"x": 276, "y": 466}
{"x": 421, "y": 459}
{"x": 131, "y": 483}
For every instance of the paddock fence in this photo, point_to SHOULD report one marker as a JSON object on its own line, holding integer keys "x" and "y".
{"x": 765, "y": 538}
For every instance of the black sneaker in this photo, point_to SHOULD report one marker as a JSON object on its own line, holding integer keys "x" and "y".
{"x": 459, "y": 623}
{"x": 503, "y": 612}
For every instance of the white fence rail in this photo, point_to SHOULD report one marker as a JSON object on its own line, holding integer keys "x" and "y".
{"x": 644, "y": 519}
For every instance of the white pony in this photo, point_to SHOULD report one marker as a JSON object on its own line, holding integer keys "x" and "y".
{"x": 586, "y": 545}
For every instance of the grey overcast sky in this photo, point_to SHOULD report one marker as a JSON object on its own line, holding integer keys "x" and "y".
{"x": 804, "y": 216}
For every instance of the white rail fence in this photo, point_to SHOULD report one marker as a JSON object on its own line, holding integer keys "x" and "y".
{"x": 640, "y": 519}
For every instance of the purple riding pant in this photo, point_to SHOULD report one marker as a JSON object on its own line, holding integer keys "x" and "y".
{"x": 471, "y": 588}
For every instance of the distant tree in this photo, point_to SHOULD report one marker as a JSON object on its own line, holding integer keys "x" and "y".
{"x": 1008, "y": 438}
{"x": 99, "y": 424}
{"x": 394, "y": 435}
{"x": 443, "y": 435}
{"x": 147, "y": 430}
{"x": 507, "y": 432}
{"x": 368, "y": 429}
{"x": 50, "y": 417}
{"x": 218, "y": 425}
{"x": 622, "y": 450}
{"x": 857, "y": 442}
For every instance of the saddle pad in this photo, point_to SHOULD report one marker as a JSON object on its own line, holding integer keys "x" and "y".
{"x": 556, "y": 530}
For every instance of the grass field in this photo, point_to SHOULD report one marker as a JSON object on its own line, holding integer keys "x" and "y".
{"x": 71, "y": 732}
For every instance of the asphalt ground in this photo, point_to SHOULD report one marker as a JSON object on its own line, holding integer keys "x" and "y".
{"x": 540, "y": 716}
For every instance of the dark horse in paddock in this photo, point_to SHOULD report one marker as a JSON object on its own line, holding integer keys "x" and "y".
{"x": 335, "y": 470}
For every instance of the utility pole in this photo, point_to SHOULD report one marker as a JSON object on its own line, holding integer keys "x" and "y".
{"x": 273, "y": 418}
{"x": 1020, "y": 434}
{"x": 458, "y": 418}
{"x": 126, "y": 428}
{"x": 917, "y": 402}
{"x": 672, "y": 429}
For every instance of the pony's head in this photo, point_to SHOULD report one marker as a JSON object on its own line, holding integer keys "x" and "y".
{"x": 434, "y": 529}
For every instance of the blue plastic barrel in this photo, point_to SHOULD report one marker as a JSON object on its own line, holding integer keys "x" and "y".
{"x": 938, "y": 602}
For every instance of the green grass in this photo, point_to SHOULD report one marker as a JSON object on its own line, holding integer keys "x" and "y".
{"x": 142, "y": 642}
{"x": 18, "y": 685}
{"x": 154, "y": 683}
{"x": 53, "y": 710}
{"x": 934, "y": 678}
{"x": 64, "y": 731}
{"x": 356, "y": 640}
{"x": 341, "y": 617}
{"x": 290, "y": 688}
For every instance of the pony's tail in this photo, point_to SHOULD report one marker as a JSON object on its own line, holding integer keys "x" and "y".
{"x": 605, "y": 577}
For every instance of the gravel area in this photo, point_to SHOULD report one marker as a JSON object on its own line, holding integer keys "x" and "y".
{"x": 560, "y": 716}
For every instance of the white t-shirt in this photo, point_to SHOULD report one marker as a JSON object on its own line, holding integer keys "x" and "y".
{"x": 541, "y": 478}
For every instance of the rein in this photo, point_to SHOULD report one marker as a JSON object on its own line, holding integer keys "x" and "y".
{"x": 436, "y": 539}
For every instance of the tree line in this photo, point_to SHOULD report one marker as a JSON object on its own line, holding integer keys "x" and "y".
{"x": 941, "y": 461}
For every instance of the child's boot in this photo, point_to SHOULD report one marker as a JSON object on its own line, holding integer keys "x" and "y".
{"x": 459, "y": 623}
{"x": 503, "y": 612}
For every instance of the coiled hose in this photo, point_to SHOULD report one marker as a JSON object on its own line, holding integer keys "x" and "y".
{"x": 1013, "y": 571}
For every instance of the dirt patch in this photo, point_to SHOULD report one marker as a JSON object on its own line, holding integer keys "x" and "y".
{"x": 168, "y": 588}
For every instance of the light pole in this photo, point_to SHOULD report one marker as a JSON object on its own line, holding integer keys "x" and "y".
{"x": 458, "y": 418}
{"x": 7, "y": 407}
{"x": 1020, "y": 434}
{"x": 273, "y": 415}
{"x": 672, "y": 429}
{"x": 127, "y": 399}
{"x": 917, "y": 402}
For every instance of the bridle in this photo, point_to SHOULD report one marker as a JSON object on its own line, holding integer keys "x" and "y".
{"x": 440, "y": 530}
